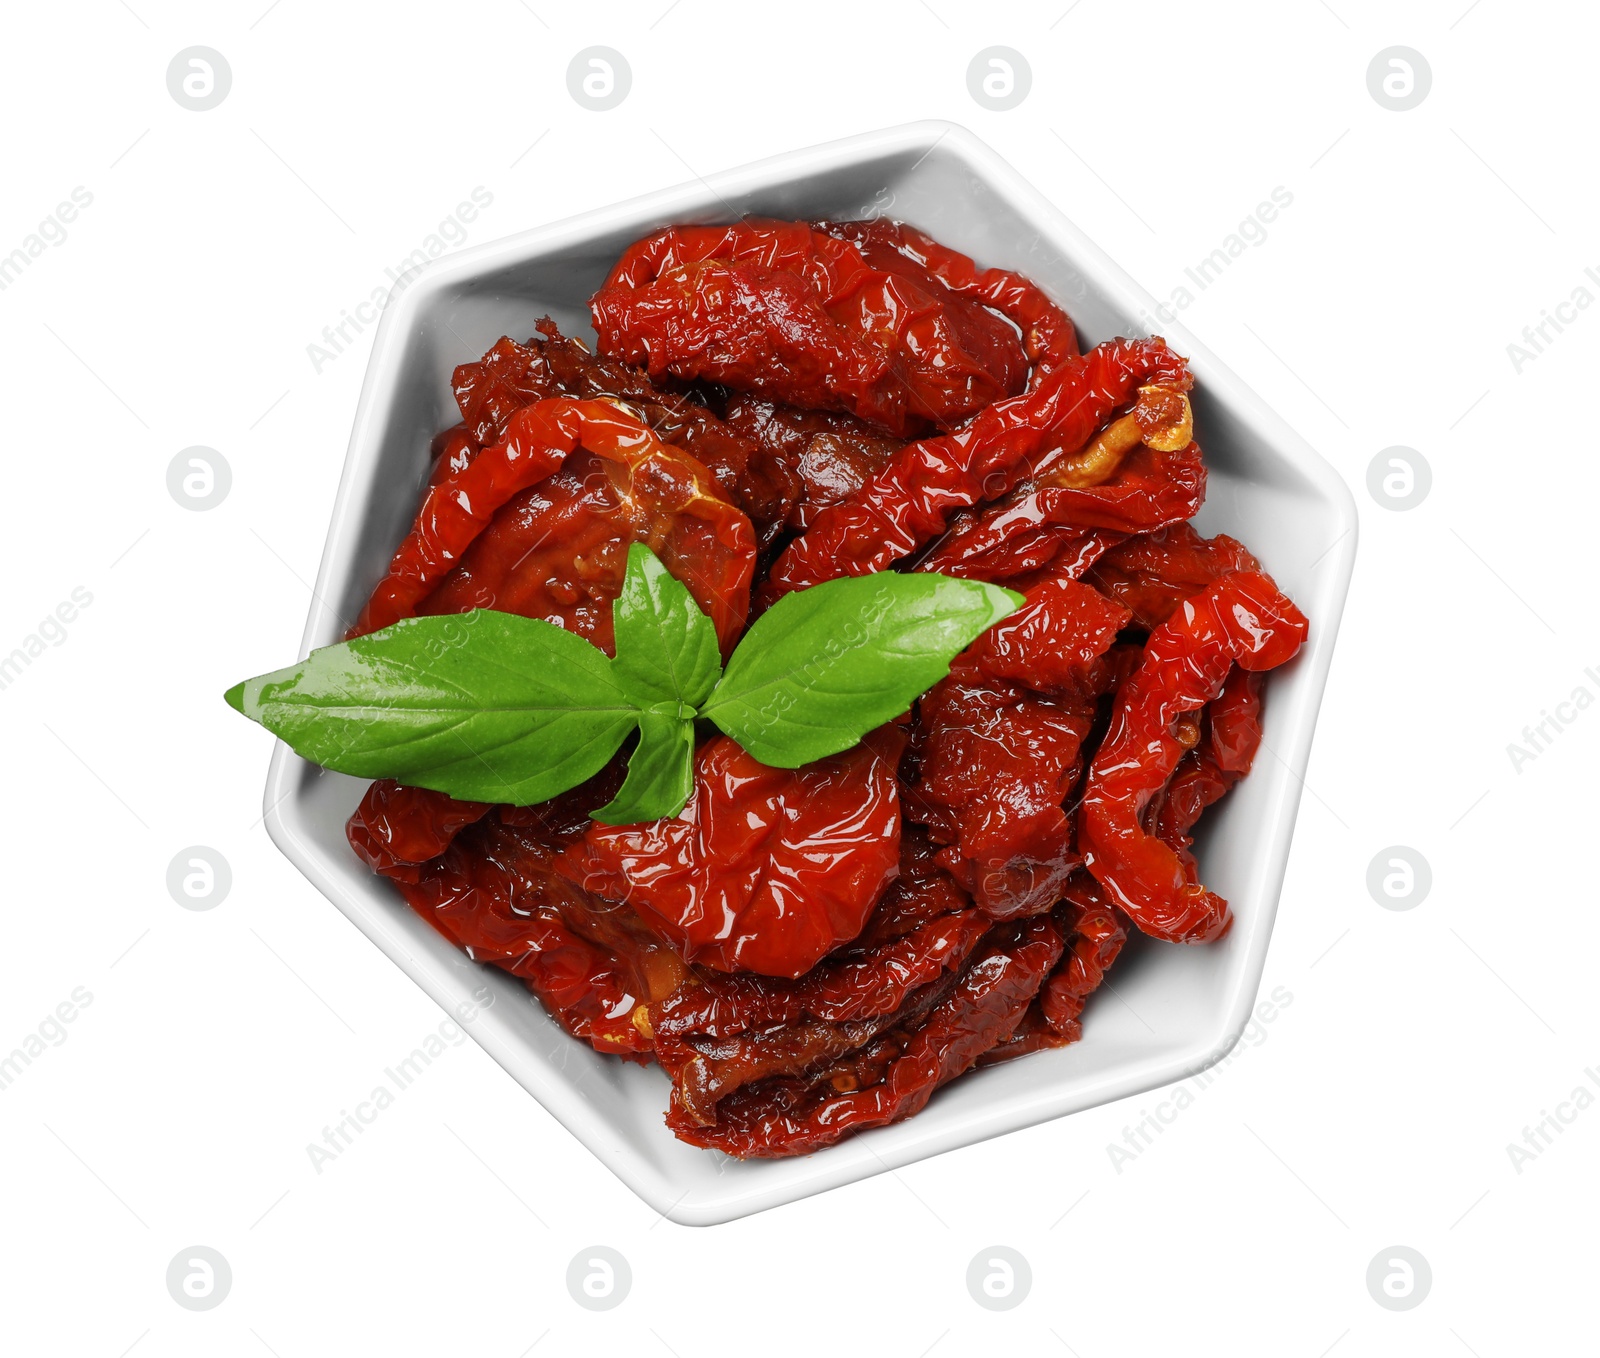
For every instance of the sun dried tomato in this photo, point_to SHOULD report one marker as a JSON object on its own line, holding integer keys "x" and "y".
{"x": 1226, "y": 749}
{"x": 922, "y": 916}
{"x": 1095, "y": 934}
{"x": 550, "y": 365}
{"x": 1153, "y": 573}
{"x": 911, "y": 500}
{"x": 714, "y": 1037}
{"x": 858, "y": 982}
{"x": 729, "y": 454}
{"x": 455, "y": 510}
{"x": 1050, "y": 642}
{"x": 921, "y": 922}
{"x": 998, "y": 746}
{"x": 1242, "y": 617}
{"x": 493, "y": 893}
{"x": 785, "y": 1115}
{"x": 1233, "y": 722}
{"x": 674, "y": 418}
{"x": 451, "y": 452}
{"x": 488, "y": 885}
{"x": 555, "y": 551}
{"x": 924, "y": 891}
{"x": 1098, "y": 934}
{"x": 716, "y": 1067}
{"x": 395, "y": 829}
{"x": 492, "y": 390}
{"x": 400, "y": 830}
{"x": 1043, "y": 524}
{"x": 1047, "y": 332}
{"x": 765, "y": 869}
{"x": 820, "y": 456}
{"x": 531, "y": 839}
{"x": 1049, "y": 551}
{"x": 559, "y": 551}
{"x": 799, "y": 315}
{"x": 998, "y": 763}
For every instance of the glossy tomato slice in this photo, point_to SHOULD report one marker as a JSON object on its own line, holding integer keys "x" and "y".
{"x": 558, "y": 549}
{"x": 765, "y": 870}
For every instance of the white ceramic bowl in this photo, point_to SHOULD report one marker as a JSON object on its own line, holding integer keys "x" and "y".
{"x": 1177, "y": 1009}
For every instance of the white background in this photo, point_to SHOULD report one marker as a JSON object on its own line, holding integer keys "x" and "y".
{"x": 1378, "y": 1106}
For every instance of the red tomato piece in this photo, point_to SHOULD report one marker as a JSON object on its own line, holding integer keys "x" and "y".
{"x": 1149, "y": 490}
{"x": 492, "y": 390}
{"x": 397, "y": 829}
{"x": 820, "y": 457}
{"x": 1050, "y": 641}
{"x": 1223, "y": 756}
{"x": 1153, "y": 573}
{"x": 914, "y": 498}
{"x": 765, "y": 870}
{"x": 1047, "y": 331}
{"x": 1001, "y": 743}
{"x": 451, "y": 452}
{"x": 1241, "y": 618}
{"x": 996, "y": 767}
{"x": 894, "y": 1075}
{"x": 799, "y": 315}
{"x": 581, "y": 481}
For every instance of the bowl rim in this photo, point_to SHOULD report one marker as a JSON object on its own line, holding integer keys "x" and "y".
{"x": 864, "y": 1155}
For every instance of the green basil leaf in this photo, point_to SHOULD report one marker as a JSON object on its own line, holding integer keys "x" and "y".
{"x": 666, "y": 647}
{"x": 485, "y": 706}
{"x": 825, "y": 665}
{"x": 660, "y": 770}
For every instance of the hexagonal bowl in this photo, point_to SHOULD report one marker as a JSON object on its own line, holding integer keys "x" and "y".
{"x": 1175, "y": 1009}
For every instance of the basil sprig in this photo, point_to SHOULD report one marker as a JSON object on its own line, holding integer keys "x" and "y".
{"x": 489, "y": 706}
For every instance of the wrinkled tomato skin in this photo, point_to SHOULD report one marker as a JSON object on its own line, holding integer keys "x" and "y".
{"x": 554, "y": 552}
{"x": 730, "y": 1030}
{"x": 1048, "y": 335}
{"x": 395, "y": 829}
{"x": 801, "y": 316}
{"x": 1153, "y": 573}
{"x": 1062, "y": 627}
{"x": 452, "y": 451}
{"x": 915, "y": 497}
{"x": 1231, "y": 736}
{"x": 493, "y": 892}
{"x": 765, "y": 870}
{"x": 490, "y": 391}
{"x": 997, "y": 766}
{"x": 1043, "y": 524}
{"x": 821, "y": 457}
{"x": 540, "y": 524}
{"x": 1000, "y": 746}
{"x": 1241, "y": 619}
{"x": 893, "y": 1076}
